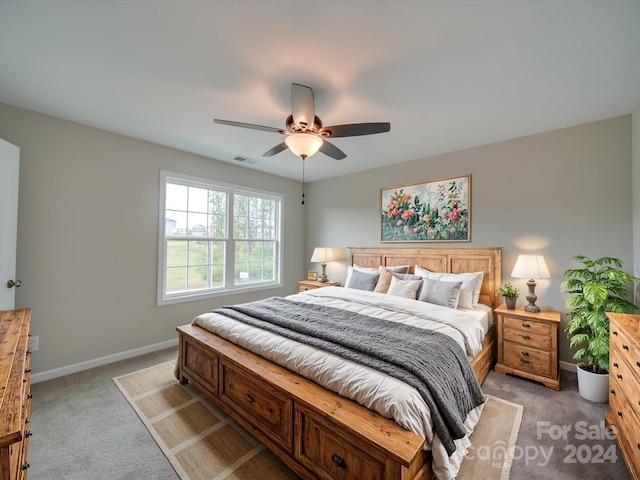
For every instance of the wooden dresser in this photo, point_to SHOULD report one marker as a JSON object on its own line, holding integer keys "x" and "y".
{"x": 624, "y": 387}
{"x": 15, "y": 395}
{"x": 528, "y": 344}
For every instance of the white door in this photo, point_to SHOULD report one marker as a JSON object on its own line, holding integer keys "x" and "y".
{"x": 9, "y": 174}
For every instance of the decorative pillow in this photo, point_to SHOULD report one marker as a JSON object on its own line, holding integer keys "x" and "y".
{"x": 404, "y": 288}
{"x": 385, "y": 280}
{"x": 471, "y": 284}
{"x": 440, "y": 292}
{"x": 397, "y": 268}
{"x": 363, "y": 281}
{"x": 350, "y": 269}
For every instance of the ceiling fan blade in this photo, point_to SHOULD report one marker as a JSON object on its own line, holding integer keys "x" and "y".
{"x": 332, "y": 151}
{"x": 302, "y": 105}
{"x": 355, "y": 129}
{"x": 277, "y": 149}
{"x": 250, "y": 125}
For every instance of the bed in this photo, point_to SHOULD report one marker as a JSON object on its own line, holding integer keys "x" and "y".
{"x": 323, "y": 429}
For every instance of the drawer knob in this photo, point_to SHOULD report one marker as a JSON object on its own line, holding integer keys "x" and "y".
{"x": 27, "y": 434}
{"x": 620, "y": 414}
{"x": 626, "y": 347}
{"x": 638, "y": 364}
{"x": 25, "y": 465}
{"x": 612, "y": 391}
{"x": 27, "y": 370}
{"x": 30, "y": 395}
{"x": 615, "y": 332}
{"x": 524, "y": 361}
{"x": 526, "y": 354}
{"x": 526, "y": 337}
{"x": 615, "y": 364}
{"x": 338, "y": 460}
{"x": 249, "y": 398}
{"x": 619, "y": 376}
{"x": 526, "y": 325}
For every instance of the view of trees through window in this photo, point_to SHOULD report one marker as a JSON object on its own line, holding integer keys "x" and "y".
{"x": 218, "y": 238}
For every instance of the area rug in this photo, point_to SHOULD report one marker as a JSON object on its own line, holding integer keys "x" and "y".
{"x": 204, "y": 443}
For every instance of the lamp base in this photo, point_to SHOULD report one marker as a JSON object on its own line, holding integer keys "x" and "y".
{"x": 323, "y": 276}
{"x": 531, "y": 298}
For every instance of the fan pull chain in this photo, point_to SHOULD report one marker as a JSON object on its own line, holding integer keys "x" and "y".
{"x": 303, "y": 180}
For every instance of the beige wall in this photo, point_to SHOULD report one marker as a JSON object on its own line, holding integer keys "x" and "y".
{"x": 559, "y": 193}
{"x": 88, "y": 237}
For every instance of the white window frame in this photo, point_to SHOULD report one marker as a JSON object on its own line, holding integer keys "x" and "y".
{"x": 229, "y": 288}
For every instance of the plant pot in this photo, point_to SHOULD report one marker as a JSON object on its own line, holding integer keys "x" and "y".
{"x": 593, "y": 386}
{"x": 511, "y": 302}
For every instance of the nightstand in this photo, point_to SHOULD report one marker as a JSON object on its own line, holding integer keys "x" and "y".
{"x": 304, "y": 285}
{"x": 528, "y": 344}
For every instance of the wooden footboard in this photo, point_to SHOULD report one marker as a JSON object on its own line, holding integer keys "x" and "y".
{"x": 317, "y": 433}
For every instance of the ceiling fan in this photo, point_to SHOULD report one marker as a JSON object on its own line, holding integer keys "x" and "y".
{"x": 304, "y": 132}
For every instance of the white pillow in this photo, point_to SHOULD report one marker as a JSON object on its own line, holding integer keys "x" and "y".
{"x": 404, "y": 288}
{"x": 471, "y": 284}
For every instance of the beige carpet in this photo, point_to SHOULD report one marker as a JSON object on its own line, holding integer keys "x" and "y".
{"x": 202, "y": 442}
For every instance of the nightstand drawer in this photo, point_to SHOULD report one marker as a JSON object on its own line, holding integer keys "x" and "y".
{"x": 527, "y": 359}
{"x": 527, "y": 325}
{"x": 304, "y": 285}
{"x": 530, "y": 339}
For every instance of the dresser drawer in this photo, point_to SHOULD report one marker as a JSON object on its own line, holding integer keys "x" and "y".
{"x": 527, "y": 359}
{"x": 625, "y": 421}
{"x": 201, "y": 365}
{"x": 530, "y": 339}
{"x": 332, "y": 456}
{"x": 527, "y": 325}
{"x": 623, "y": 378}
{"x": 267, "y": 408}
{"x": 627, "y": 349}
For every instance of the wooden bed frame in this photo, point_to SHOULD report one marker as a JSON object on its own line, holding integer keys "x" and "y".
{"x": 317, "y": 433}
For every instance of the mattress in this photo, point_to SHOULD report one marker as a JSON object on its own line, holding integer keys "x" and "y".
{"x": 375, "y": 390}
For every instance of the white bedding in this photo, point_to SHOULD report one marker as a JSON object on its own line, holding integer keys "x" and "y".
{"x": 375, "y": 390}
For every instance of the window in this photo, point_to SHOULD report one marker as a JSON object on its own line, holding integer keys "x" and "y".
{"x": 215, "y": 239}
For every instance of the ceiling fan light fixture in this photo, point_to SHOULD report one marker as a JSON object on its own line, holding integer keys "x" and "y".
{"x": 303, "y": 144}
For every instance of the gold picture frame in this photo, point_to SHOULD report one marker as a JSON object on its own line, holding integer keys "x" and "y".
{"x": 312, "y": 275}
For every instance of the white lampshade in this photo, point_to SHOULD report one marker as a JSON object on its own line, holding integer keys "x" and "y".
{"x": 303, "y": 144}
{"x": 323, "y": 255}
{"x": 530, "y": 265}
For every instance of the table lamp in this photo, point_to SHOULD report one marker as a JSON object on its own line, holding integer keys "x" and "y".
{"x": 323, "y": 255}
{"x": 531, "y": 266}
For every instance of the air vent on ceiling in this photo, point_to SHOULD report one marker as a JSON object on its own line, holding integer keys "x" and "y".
{"x": 250, "y": 161}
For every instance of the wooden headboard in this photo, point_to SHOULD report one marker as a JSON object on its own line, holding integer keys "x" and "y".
{"x": 440, "y": 259}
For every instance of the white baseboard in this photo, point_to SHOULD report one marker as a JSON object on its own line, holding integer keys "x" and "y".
{"x": 570, "y": 367}
{"x": 97, "y": 362}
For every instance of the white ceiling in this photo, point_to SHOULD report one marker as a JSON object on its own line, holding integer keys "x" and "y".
{"x": 447, "y": 75}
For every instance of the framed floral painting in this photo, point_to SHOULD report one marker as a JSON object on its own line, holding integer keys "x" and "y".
{"x": 431, "y": 211}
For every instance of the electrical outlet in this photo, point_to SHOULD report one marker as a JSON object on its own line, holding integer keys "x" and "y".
{"x": 34, "y": 344}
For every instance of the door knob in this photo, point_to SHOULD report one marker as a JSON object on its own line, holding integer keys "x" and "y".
{"x": 12, "y": 283}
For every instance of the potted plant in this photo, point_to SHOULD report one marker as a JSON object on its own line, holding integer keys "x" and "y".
{"x": 598, "y": 287}
{"x": 510, "y": 294}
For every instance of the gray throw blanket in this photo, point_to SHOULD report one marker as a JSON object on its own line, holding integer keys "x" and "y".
{"x": 431, "y": 362}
